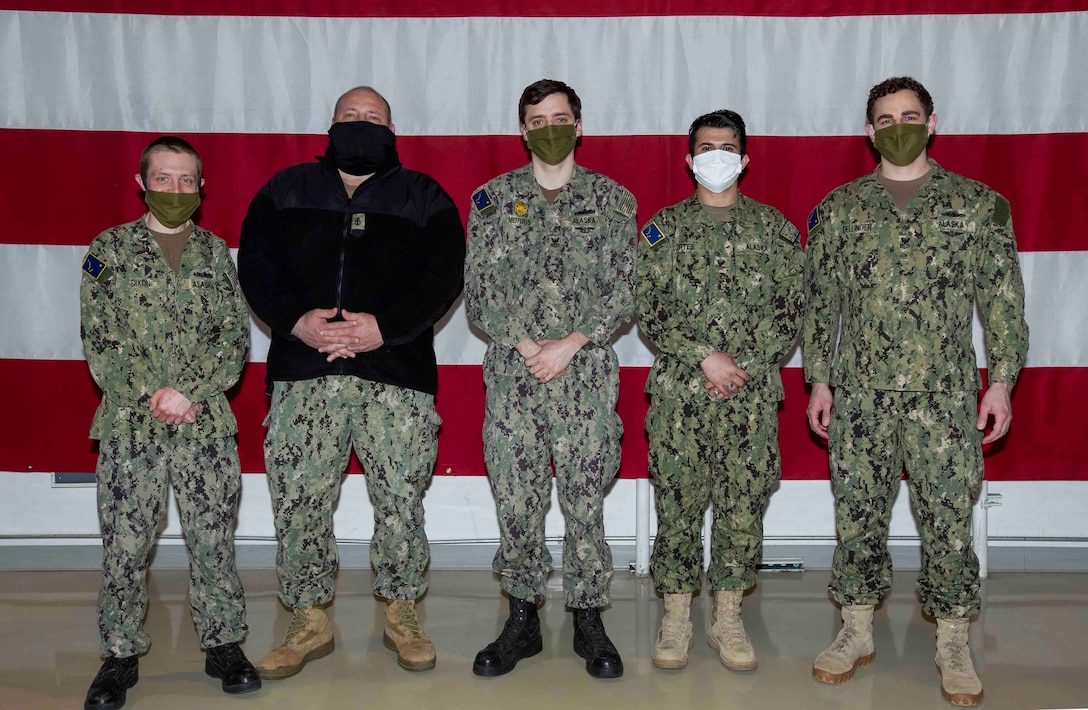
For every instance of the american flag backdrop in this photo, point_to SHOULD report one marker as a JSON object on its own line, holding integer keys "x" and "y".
{"x": 85, "y": 84}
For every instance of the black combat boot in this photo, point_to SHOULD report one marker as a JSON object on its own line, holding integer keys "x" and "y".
{"x": 593, "y": 644}
{"x": 229, "y": 664}
{"x": 107, "y": 691}
{"x": 520, "y": 638}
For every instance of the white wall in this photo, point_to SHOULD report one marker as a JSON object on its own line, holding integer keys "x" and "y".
{"x": 461, "y": 509}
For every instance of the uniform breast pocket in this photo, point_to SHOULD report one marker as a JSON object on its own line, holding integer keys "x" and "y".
{"x": 948, "y": 259}
{"x": 690, "y": 282}
{"x": 752, "y": 273}
{"x": 198, "y": 295}
{"x": 866, "y": 268}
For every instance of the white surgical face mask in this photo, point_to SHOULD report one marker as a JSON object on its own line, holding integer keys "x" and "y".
{"x": 716, "y": 170}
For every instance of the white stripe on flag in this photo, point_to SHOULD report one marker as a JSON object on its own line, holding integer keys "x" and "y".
{"x": 462, "y": 76}
{"x": 40, "y": 285}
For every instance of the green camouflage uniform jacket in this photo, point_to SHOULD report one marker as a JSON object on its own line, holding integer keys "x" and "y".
{"x": 143, "y": 327}
{"x": 706, "y": 286}
{"x": 906, "y": 282}
{"x": 538, "y": 270}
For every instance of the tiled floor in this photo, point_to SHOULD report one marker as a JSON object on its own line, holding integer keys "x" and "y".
{"x": 1030, "y": 646}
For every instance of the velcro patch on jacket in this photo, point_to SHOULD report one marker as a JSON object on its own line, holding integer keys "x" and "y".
{"x": 652, "y": 234}
{"x": 232, "y": 279}
{"x": 482, "y": 202}
{"x": 1002, "y": 211}
{"x": 96, "y": 268}
{"x": 790, "y": 234}
{"x": 626, "y": 205}
{"x": 813, "y": 219}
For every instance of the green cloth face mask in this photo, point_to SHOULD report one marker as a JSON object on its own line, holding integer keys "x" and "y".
{"x": 901, "y": 143}
{"x": 552, "y": 143}
{"x": 172, "y": 209}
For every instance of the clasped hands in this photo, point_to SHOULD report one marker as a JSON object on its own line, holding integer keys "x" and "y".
{"x": 356, "y": 333}
{"x": 548, "y": 359}
{"x": 169, "y": 406}
{"x": 723, "y": 377}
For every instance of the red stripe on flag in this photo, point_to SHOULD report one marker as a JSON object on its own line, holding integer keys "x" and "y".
{"x": 554, "y": 8}
{"x": 1039, "y": 174}
{"x": 51, "y": 402}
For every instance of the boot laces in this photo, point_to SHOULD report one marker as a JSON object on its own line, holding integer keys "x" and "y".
{"x": 406, "y": 617}
{"x": 731, "y": 631}
{"x": 229, "y": 654}
{"x": 511, "y": 630}
{"x": 592, "y": 627}
{"x": 673, "y": 630}
{"x": 113, "y": 669}
{"x": 728, "y": 623}
{"x": 954, "y": 651}
{"x": 298, "y": 623}
{"x": 846, "y": 639}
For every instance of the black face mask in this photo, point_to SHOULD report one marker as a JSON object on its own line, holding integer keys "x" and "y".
{"x": 361, "y": 147}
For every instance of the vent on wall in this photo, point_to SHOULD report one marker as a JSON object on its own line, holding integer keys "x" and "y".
{"x": 73, "y": 480}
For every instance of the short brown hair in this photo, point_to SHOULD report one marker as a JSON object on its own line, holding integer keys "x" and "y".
{"x": 539, "y": 90}
{"x": 174, "y": 145}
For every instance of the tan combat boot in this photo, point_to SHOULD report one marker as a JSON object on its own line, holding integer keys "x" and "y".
{"x": 853, "y": 647}
{"x": 959, "y": 682}
{"x": 726, "y": 634}
{"x": 674, "y": 639}
{"x": 308, "y": 637}
{"x": 405, "y": 635}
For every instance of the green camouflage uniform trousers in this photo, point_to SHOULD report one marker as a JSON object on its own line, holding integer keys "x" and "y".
{"x": 872, "y": 434}
{"x": 312, "y": 426}
{"x": 572, "y": 421}
{"x": 905, "y": 283}
{"x": 143, "y": 328}
{"x": 708, "y": 286}
{"x": 725, "y": 452}
{"x": 133, "y": 478}
{"x": 543, "y": 270}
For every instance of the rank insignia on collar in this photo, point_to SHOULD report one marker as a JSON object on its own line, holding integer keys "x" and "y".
{"x": 652, "y": 234}
{"x": 482, "y": 202}
{"x": 521, "y": 208}
{"x": 95, "y": 267}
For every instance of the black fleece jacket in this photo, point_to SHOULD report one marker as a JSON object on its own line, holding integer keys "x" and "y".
{"x": 396, "y": 249}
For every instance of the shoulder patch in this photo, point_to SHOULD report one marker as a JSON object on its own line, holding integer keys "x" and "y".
{"x": 96, "y": 268}
{"x": 789, "y": 233}
{"x": 1002, "y": 211}
{"x": 814, "y": 218}
{"x": 232, "y": 279}
{"x": 625, "y": 204}
{"x": 482, "y": 202}
{"x": 652, "y": 234}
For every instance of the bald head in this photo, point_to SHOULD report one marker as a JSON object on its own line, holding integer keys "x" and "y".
{"x": 363, "y": 103}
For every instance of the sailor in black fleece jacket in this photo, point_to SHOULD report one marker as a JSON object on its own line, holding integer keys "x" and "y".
{"x": 351, "y": 260}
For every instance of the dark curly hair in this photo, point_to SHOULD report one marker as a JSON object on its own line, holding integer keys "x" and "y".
{"x": 894, "y": 84}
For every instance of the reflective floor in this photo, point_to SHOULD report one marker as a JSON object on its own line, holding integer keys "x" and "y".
{"x": 1030, "y": 647}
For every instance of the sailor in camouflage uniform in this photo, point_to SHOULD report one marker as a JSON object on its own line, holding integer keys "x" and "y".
{"x": 901, "y": 256}
{"x": 165, "y": 331}
{"x": 549, "y": 278}
{"x": 719, "y": 294}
